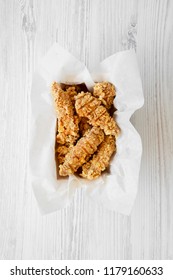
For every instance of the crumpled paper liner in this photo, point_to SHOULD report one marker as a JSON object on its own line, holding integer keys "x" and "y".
{"x": 116, "y": 190}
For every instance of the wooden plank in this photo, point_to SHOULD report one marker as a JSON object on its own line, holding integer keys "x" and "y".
{"x": 151, "y": 218}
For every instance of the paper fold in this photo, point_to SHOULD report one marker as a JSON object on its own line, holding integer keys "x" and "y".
{"x": 115, "y": 191}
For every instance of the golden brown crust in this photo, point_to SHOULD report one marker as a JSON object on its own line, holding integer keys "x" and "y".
{"x": 80, "y": 153}
{"x": 78, "y": 87}
{"x": 100, "y": 161}
{"x": 72, "y": 92}
{"x": 68, "y": 130}
{"x": 61, "y": 152}
{"x": 89, "y": 106}
{"x": 84, "y": 126}
{"x": 105, "y": 92}
{"x": 86, "y": 131}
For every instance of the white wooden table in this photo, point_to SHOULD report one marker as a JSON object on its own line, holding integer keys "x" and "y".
{"x": 91, "y": 30}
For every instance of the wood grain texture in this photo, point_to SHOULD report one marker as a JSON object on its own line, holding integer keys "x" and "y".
{"x": 91, "y": 30}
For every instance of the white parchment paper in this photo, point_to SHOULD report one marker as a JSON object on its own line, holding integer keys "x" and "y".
{"x": 116, "y": 190}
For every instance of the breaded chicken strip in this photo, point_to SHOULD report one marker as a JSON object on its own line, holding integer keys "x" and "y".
{"x": 78, "y": 87}
{"x": 89, "y": 106}
{"x": 81, "y": 152}
{"x": 68, "y": 130}
{"x": 84, "y": 126}
{"x": 105, "y": 92}
{"x": 100, "y": 161}
{"x": 72, "y": 92}
{"x": 61, "y": 152}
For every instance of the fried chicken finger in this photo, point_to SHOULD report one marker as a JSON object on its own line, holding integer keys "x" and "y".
{"x": 105, "y": 92}
{"x": 100, "y": 161}
{"x": 89, "y": 106}
{"x": 80, "y": 153}
{"x": 68, "y": 130}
